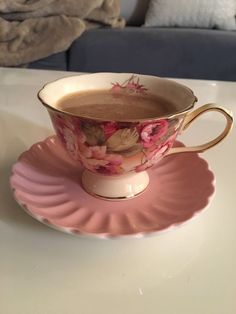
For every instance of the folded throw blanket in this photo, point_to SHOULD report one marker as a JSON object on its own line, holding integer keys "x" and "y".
{"x": 34, "y": 29}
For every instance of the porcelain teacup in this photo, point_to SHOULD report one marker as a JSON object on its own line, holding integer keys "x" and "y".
{"x": 117, "y": 153}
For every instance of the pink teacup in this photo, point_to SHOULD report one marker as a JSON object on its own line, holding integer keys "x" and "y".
{"x": 116, "y": 154}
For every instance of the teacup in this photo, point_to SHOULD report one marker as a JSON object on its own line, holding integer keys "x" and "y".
{"x": 116, "y": 154}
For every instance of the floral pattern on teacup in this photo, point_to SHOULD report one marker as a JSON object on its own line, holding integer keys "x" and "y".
{"x": 152, "y": 132}
{"x": 132, "y": 85}
{"x": 114, "y": 148}
{"x": 152, "y": 155}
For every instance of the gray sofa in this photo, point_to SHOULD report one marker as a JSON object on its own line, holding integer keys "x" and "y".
{"x": 172, "y": 52}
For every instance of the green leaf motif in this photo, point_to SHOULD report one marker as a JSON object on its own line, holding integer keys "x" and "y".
{"x": 122, "y": 140}
{"x": 137, "y": 148}
{"x": 94, "y": 134}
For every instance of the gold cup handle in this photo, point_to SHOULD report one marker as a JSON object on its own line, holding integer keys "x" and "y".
{"x": 191, "y": 116}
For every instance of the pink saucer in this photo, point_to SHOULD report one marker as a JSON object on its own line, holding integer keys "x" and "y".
{"x": 46, "y": 183}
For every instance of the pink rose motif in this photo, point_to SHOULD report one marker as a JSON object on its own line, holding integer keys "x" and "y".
{"x": 170, "y": 141}
{"x": 58, "y": 121}
{"x": 96, "y": 159}
{"x": 84, "y": 151}
{"x": 109, "y": 128}
{"x": 111, "y": 164}
{"x": 98, "y": 152}
{"x": 81, "y": 136}
{"x": 114, "y": 159}
{"x": 59, "y": 125}
{"x": 152, "y": 132}
{"x": 70, "y": 142}
{"x": 93, "y": 157}
{"x": 93, "y": 164}
{"x": 153, "y": 156}
{"x": 110, "y": 170}
{"x": 131, "y": 85}
{"x": 116, "y": 87}
{"x": 65, "y": 122}
{"x": 71, "y": 135}
{"x": 136, "y": 87}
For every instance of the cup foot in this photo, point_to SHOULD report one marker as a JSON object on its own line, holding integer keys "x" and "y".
{"x": 115, "y": 188}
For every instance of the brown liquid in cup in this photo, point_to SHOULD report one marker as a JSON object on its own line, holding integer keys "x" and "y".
{"x": 109, "y": 105}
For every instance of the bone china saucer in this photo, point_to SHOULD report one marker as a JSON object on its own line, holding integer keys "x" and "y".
{"x": 47, "y": 184}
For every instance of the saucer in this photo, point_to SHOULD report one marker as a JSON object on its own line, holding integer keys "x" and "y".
{"x": 47, "y": 184}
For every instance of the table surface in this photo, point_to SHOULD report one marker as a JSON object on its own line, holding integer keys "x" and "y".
{"x": 187, "y": 271}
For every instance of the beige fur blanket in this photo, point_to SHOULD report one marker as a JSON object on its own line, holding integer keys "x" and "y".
{"x": 34, "y": 29}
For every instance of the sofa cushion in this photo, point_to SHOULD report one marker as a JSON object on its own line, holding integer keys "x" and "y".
{"x": 56, "y": 61}
{"x": 192, "y": 13}
{"x": 173, "y": 52}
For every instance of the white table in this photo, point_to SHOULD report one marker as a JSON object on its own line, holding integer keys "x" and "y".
{"x": 191, "y": 270}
